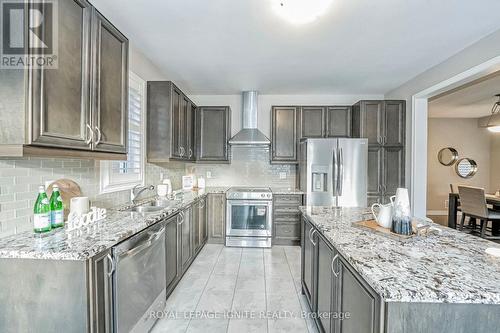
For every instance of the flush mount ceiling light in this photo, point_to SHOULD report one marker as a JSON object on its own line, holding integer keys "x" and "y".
{"x": 495, "y": 128}
{"x": 300, "y": 11}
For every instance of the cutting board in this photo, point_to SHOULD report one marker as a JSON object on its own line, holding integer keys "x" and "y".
{"x": 68, "y": 189}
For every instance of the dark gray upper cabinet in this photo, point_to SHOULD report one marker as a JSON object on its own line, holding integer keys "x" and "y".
{"x": 213, "y": 130}
{"x": 383, "y": 123}
{"x": 191, "y": 131}
{"x": 110, "y": 107}
{"x": 60, "y": 98}
{"x": 338, "y": 121}
{"x": 79, "y": 109}
{"x": 312, "y": 122}
{"x": 284, "y": 133}
{"x": 170, "y": 123}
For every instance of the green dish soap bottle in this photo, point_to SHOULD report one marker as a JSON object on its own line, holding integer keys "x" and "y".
{"x": 56, "y": 209}
{"x": 41, "y": 218}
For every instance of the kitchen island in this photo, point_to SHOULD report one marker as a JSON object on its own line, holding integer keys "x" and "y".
{"x": 436, "y": 283}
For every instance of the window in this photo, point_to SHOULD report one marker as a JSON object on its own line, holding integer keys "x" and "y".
{"x": 124, "y": 175}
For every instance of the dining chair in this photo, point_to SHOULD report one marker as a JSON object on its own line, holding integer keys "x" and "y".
{"x": 473, "y": 202}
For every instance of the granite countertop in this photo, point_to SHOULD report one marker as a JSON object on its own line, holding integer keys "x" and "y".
{"x": 84, "y": 243}
{"x": 286, "y": 190}
{"x": 451, "y": 267}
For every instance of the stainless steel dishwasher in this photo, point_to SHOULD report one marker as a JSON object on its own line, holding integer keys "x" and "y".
{"x": 139, "y": 279}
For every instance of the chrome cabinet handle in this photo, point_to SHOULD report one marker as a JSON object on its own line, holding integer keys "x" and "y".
{"x": 202, "y": 204}
{"x": 113, "y": 265}
{"x": 88, "y": 138}
{"x": 311, "y": 233}
{"x": 180, "y": 218}
{"x": 99, "y": 135}
{"x": 336, "y": 274}
{"x": 181, "y": 151}
{"x": 190, "y": 153}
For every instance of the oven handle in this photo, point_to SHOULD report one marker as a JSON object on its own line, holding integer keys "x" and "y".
{"x": 249, "y": 202}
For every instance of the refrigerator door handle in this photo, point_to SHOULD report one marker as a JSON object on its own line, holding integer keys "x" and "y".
{"x": 340, "y": 180}
{"x": 335, "y": 174}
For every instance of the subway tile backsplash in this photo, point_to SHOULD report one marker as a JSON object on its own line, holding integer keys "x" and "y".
{"x": 249, "y": 166}
{"x": 20, "y": 178}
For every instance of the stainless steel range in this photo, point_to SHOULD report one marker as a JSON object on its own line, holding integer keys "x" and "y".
{"x": 249, "y": 216}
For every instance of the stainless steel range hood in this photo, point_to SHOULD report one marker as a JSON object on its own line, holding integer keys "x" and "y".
{"x": 249, "y": 134}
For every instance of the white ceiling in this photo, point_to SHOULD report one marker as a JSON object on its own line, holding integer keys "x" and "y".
{"x": 471, "y": 101}
{"x": 357, "y": 47}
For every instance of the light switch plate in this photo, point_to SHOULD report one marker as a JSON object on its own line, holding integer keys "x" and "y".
{"x": 282, "y": 175}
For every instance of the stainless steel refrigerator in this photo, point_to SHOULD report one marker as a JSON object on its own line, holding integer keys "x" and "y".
{"x": 334, "y": 172}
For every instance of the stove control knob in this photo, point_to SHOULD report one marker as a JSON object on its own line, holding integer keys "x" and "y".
{"x": 269, "y": 195}
{"x": 262, "y": 195}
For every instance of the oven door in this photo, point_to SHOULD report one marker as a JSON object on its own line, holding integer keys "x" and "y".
{"x": 249, "y": 218}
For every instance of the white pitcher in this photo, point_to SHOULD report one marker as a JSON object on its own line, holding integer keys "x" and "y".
{"x": 384, "y": 216}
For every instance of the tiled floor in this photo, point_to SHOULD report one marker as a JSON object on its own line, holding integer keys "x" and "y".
{"x": 259, "y": 286}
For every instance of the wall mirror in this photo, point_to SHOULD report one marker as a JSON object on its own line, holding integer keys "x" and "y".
{"x": 447, "y": 156}
{"x": 466, "y": 167}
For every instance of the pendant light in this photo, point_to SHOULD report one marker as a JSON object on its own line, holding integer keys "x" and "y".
{"x": 495, "y": 128}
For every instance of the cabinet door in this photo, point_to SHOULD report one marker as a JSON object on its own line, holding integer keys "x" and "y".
{"x": 177, "y": 123}
{"x": 393, "y": 171}
{"x": 338, "y": 121}
{"x": 284, "y": 134}
{"x": 196, "y": 226}
{"x": 325, "y": 287}
{"x": 357, "y": 298}
{"x": 186, "y": 240}
{"x": 110, "y": 83}
{"x": 202, "y": 218}
{"x": 101, "y": 293}
{"x": 60, "y": 110}
{"x": 213, "y": 131}
{"x": 308, "y": 250}
{"x": 216, "y": 210}
{"x": 375, "y": 165}
{"x": 371, "y": 117}
{"x": 312, "y": 122}
{"x": 394, "y": 123}
{"x": 172, "y": 251}
{"x": 190, "y": 131}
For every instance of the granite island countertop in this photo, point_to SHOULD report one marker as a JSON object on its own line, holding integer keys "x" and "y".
{"x": 451, "y": 267}
{"x": 84, "y": 243}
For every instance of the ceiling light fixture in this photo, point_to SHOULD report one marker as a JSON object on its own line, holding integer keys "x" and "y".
{"x": 300, "y": 11}
{"x": 495, "y": 128}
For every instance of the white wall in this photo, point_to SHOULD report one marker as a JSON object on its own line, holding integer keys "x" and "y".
{"x": 478, "y": 53}
{"x": 266, "y": 101}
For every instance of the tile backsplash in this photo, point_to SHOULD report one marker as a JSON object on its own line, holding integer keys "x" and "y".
{"x": 20, "y": 178}
{"x": 249, "y": 166}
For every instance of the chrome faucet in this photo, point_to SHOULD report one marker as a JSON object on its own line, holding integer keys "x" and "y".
{"x": 137, "y": 190}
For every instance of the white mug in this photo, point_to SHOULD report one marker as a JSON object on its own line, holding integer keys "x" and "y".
{"x": 80, "y": 205}
{"x": 384, "y": 216}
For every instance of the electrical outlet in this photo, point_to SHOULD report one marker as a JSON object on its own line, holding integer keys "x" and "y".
{"x": 209, "y": 174}
{"x": 282, "y": 175}
{"x": 446, "y": 203}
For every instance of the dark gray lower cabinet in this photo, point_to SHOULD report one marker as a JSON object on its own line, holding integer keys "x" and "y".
{"x": 332, "y": 288}
{"x": 308, "y": 256}
{"x": 216, "y": 216}
{"x": 102, "y": 293}
{"x": 286, "y": 219}
{"x": 355, "y": 297}
{"x": 172, "y": 252}
{"x": 186, "y": 237}
{"x": 202, "y": 222}
{"x": 195, "y": 218}
{"x": 325, "y": 289}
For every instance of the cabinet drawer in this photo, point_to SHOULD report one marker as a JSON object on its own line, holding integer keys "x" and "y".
{"x": 290, "y": 218}
{"x": 288, "y": 200}
{"x": 287, "y": 230}
{"x": 286, "y": 210}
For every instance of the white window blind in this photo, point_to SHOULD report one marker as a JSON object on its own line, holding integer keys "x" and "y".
{"x": 123, "y": 175}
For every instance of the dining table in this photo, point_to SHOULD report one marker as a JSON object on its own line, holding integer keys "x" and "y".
{"x": 453, "y": 203}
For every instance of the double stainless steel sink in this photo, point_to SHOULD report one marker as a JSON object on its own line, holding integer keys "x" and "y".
{"x": 154, "y": 206}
